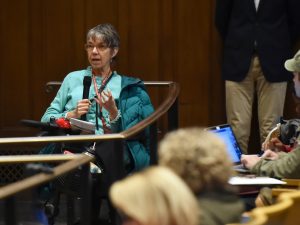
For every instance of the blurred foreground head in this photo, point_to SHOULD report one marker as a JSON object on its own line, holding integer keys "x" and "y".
{"x": 155, "y": 196}
{"x": 198, "y": 157}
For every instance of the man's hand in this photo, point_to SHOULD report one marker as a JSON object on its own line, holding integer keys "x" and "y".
{"x": 269, "y": 154}
{"x": 274, "y": 144}
{"x": 249, "y": 161}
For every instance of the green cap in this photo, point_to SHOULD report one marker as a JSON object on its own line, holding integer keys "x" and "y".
{"x": 293, "y": 65}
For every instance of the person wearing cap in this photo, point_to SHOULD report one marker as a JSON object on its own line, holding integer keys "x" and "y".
{"x": 293, "y": 65}
{"x": 258, "y": 36}
{"x": 284, "y": 136}
{"x": 281, "y": 164}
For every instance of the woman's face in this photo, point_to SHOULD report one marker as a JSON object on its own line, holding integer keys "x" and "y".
{"x": 99, "y": 54}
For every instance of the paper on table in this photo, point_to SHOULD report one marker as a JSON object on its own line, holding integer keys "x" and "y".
{"x": 254, "y": 181}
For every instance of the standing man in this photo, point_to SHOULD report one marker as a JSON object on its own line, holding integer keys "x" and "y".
{"x": 258, "y": 36}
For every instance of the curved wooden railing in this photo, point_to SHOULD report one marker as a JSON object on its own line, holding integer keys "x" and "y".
{"x": 160, "y": 111}
{"x": 169, "y": 105}
{"x": 285, "y": 211}
{"x": 73, "y": 161}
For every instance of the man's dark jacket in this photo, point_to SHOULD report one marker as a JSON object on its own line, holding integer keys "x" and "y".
{"x": 274, "y": 27}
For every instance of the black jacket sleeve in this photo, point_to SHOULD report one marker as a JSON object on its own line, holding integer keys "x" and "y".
{"x": 222, "y": 16}
{"x": 293, "y": 14}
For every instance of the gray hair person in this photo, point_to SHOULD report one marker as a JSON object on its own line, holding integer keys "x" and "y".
{"x": 110, "y": 99}
{"x": 107, "y": 33}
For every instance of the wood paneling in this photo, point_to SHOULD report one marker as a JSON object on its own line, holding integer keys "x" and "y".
{"x": 15, "y": 90}
{"x": 42, "y": 40}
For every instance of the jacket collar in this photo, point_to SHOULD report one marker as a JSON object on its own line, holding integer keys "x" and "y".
{"x": 126, "y": 81}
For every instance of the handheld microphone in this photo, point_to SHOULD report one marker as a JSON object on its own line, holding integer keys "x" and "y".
{"x": 87, "y": 80}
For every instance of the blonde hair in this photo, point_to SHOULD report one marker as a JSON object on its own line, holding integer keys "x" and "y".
{"x": 199, "y": 157}
{"x": 156, "y": 196}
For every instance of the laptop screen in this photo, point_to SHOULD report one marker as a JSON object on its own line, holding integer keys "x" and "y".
{"x": 226, "y": 133}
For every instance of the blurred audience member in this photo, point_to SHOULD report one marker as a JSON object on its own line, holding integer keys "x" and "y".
{"x": 200, "y": 159}
{"x": 155, "y": 196}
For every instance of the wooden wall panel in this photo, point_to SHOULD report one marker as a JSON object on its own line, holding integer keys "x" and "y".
{"x": 14, "y": 86}
{"x": 193, "y": 62}
{"x": 167, "y": 40}
{"x": 42, "y": 40}
{"x": 217, "y": 87}
{"x": 101, "y": 11}
{"x": 143, "y": 41}
{"x": 36, "y": 62}
{"x": 160, "y": 40}
{"x": 57, "y": 38}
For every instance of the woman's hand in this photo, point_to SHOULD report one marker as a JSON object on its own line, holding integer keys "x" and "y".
{"x": 81, "y": 109}
{"x": 107, "y": 101}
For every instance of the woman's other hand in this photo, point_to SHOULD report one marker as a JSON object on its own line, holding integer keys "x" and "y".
{"x": 107, "y": 101}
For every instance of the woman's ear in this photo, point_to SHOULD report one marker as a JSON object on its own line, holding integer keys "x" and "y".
{"x": 115, "y": 52}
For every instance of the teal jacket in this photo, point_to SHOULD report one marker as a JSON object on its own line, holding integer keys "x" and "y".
{"x": 132, "y": 100}
{"x": 135, "y": 105}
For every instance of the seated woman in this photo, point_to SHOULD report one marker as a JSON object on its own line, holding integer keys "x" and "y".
{"x": 115, "y": 102}
{"x": 201, "y": 160}
{"x": 155, "y": 196}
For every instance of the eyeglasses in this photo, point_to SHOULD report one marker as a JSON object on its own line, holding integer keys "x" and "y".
{"x": 100, "y": 47}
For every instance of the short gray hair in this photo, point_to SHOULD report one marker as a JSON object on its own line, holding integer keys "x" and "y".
{"x": 107, "y": 33}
